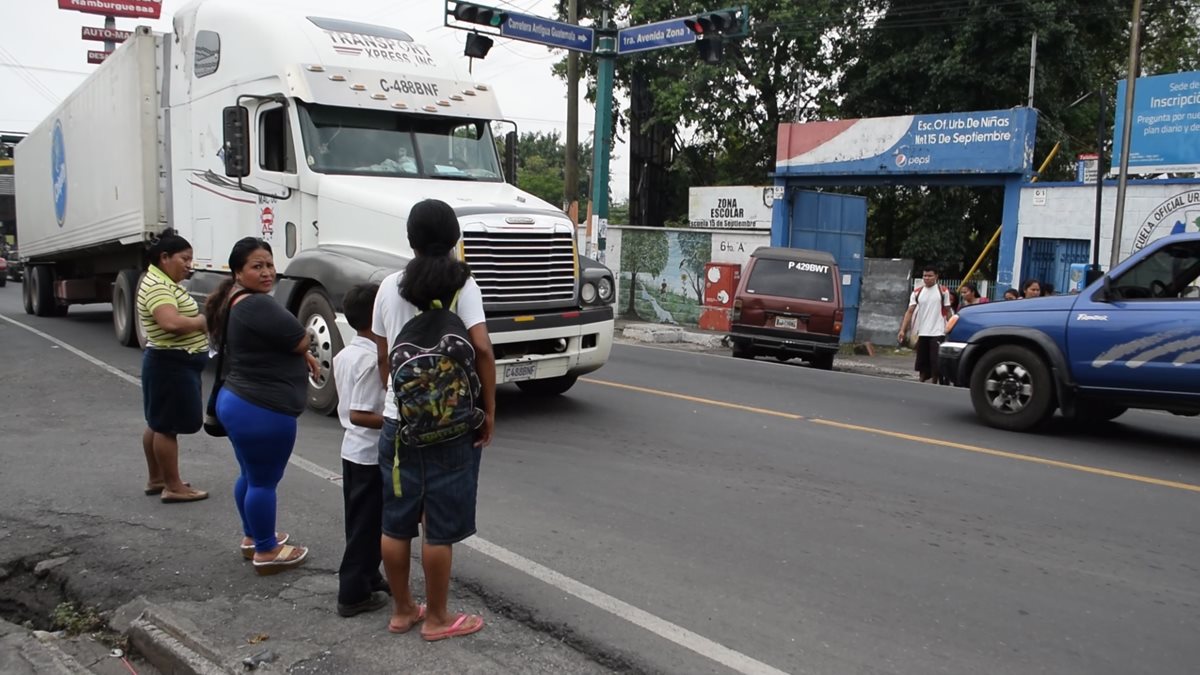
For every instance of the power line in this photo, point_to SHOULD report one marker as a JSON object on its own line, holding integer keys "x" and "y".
{"x": 45, "y": 69}
{"x": 29, "y": 78}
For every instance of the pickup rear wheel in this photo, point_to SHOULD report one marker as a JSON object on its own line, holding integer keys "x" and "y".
{"x": 316, "y": 312}
{"x": 1012, "y": 388}
{"x": 551, "y": 386}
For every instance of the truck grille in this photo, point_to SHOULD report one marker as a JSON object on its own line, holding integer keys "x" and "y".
{"x": 522, "y": 268}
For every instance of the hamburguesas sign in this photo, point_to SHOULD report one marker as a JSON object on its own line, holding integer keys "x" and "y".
{"x": 732, "y": 207}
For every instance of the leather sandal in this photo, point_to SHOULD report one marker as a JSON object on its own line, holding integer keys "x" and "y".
{"x": 193, "y": 496}
{"x": 287, "y": 558}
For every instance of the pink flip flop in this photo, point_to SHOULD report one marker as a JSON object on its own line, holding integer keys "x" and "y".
{"x": 457, "y": 629}
{"x": 419, "y": 619}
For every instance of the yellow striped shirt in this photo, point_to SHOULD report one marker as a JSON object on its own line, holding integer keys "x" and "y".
{"x": 158, "y": 289}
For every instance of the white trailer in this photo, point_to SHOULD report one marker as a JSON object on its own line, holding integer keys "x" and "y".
{"x": 317, "y": 134}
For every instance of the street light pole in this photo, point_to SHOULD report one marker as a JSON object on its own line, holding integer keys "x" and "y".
{"x": 606, "y": 55}
{"x": 1135, "y": 31}
{"x": 1094, "y": 273}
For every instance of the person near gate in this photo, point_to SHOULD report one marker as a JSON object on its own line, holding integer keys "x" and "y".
{"x": 928, "y": 310}
{"x": 360, "y": 410}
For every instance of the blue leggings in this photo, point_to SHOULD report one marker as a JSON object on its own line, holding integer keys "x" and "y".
{"x": 262, "y": 441}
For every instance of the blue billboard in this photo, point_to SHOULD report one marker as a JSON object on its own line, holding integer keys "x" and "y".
{"x": 1166, "y": 124}
{"x": 989, "y": 142}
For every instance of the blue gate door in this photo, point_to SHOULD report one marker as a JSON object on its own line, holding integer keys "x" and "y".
{"x": 1049, "y": 260}
{"x": 837, "y": 224}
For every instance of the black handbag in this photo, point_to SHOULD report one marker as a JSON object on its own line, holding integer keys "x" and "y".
{"x": 212, "y": 424}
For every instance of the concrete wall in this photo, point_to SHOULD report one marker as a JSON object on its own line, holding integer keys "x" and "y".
{"x": 885, "y": 288}
{"x": 1068, "y": 211}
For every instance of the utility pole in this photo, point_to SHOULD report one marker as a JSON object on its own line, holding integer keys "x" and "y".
{"x": 606, "y": 56}
{"x": 571, "y": 171}
{"x": 1032, "y": 66}
{"x": 1135, "y": 33}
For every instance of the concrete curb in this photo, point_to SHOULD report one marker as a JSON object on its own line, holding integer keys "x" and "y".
{"x": 663, "y": 334}
{"x": 170, "y": 643}
{"x": 40, "y": 653}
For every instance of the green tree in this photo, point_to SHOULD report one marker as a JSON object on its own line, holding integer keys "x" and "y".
{"x": 642, "y": 252}
{"x": 541, "y": 163}
{"x": 696, "y": 248}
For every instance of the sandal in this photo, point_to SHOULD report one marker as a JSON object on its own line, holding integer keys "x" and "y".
{"x": 287, "y": 558}
{"x": 180, "y": 498}
{"x": 248, "y": 551}
{"x": 157, "y": 488}
{"x": 459, "y": 628}
{"x": 420, "y": 617}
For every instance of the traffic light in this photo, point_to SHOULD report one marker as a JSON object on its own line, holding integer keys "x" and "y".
{"x": 710, "y": 29}
{"x": 478, "y": 45}
{"x": 480, "y": 14}
{"x": 713, "y": 23}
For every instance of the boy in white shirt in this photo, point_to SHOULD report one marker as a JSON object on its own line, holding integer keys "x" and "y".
{"x": 360, "y": 408}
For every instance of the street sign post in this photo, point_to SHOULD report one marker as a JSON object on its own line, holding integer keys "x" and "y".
{"x": 549, "y": 33}
{"x": 94, "y": 56}
{"x": 669, "y": 33}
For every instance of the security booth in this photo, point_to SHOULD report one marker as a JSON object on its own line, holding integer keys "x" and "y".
{"x": 989, "y": 148}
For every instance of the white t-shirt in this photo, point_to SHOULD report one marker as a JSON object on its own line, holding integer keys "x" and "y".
{"x": 929, "y": 320}
{"x": 393, "y": 311}
{"x": 356, "y": 376}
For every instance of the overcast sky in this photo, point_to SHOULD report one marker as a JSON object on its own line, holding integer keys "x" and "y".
{"x": 42, "y": 59}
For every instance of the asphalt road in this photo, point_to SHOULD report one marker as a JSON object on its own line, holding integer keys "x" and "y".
{"x": 719, "y": 515}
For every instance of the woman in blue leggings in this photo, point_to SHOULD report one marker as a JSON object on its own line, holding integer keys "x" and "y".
{"x": 267, "y": 364}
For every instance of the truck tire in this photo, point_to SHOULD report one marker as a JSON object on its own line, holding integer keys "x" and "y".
{"x": 3, "y": 280}
{"x": 551, "y": 386}
{"x": 41, "y": 291}
{"x": 124, "y": 307}
{"x": 1012, "y": 389}
{"x": 316, "y": 312}
{"x": 27, "y": 294}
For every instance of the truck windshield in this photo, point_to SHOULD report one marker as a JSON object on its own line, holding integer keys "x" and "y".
{"x": 382, "y": 143}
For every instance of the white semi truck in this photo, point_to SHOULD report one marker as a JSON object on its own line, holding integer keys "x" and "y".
{"x": 317, "y": 134}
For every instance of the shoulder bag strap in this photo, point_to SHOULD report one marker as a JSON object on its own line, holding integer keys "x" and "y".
{"x": 225, "y": 336}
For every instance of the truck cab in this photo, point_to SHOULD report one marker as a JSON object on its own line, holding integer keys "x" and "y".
{"x": 332, "y": 129}
{"x": 1131, "y": 339}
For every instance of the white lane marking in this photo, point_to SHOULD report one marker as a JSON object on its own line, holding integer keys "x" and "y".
{"x": 86, "y": 357}
{"x": 681, "y": 636}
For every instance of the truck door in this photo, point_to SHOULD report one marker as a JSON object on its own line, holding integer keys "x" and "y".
{"x": 274, "y": 173}
{"x": 1145, "y": 335}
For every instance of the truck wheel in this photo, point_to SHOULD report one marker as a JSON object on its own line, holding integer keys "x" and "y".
{"x": 552, "y": 386}
{"x": 124, "y": 307}
{"x": 3, "y": 280}
{"x": 1012, "y": 389}
{"x": 27, "y": 294}
{"x": 41, "y": 291}
{"x": 822, "y": 361}
{"x": 316, "y": 312}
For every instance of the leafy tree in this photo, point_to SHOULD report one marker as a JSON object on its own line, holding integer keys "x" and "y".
{"x": 696, "y": 248}
{"x": 642, "y": 252}
{"x": 541, "y": 162}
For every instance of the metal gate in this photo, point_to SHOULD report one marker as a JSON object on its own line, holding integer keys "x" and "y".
{"x": 1049, "y": 260}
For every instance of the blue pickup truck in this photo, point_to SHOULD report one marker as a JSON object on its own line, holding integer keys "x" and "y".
{"x": 1131, "y": 339}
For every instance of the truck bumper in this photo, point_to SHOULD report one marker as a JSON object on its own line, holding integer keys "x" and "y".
{"x": 950, "y": 359}
{"x": 541, "y": 346}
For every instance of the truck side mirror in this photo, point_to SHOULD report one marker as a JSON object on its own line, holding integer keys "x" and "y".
{"x": 510, "y": 157}
{"x": 236, "y": 144}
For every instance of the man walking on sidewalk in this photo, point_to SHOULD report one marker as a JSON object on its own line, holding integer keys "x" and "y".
{"x": 928, "y": 309}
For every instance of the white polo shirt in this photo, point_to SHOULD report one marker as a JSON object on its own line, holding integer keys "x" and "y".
{"x": 393, "y": 311}
{"x": 356, "y": 376}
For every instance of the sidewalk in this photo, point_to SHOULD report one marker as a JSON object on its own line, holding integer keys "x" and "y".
{"x": 887, "y": 362}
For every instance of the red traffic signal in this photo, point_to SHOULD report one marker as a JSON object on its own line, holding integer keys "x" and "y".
{"x": 709, "y": 23}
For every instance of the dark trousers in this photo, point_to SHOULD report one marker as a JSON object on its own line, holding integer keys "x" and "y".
{"x": 927, "y": 358}
{"x": 362, "y": 492}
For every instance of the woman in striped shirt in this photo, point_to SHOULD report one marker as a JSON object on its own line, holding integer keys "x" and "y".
{"x": 175, "y": 356}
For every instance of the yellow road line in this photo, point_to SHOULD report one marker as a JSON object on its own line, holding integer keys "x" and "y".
{"x": 1189, "y": 487}
{"x": 694, "y": 399}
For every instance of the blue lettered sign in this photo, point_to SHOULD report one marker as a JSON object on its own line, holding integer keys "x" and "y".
{"x": 1165, "y": 136}
{"x": 989, "y": 142}
{"x": 667, "y": 33}
{"x": 547, "y": 32}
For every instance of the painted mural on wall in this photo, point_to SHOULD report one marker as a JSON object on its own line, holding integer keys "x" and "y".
{"x": 663, "y": 275}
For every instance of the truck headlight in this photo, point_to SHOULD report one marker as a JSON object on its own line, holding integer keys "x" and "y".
{"x": 605, "y": 289}
{"x": 587, "y": 292}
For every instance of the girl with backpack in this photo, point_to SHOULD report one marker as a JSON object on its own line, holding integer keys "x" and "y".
{"x": 436, "y": 360}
